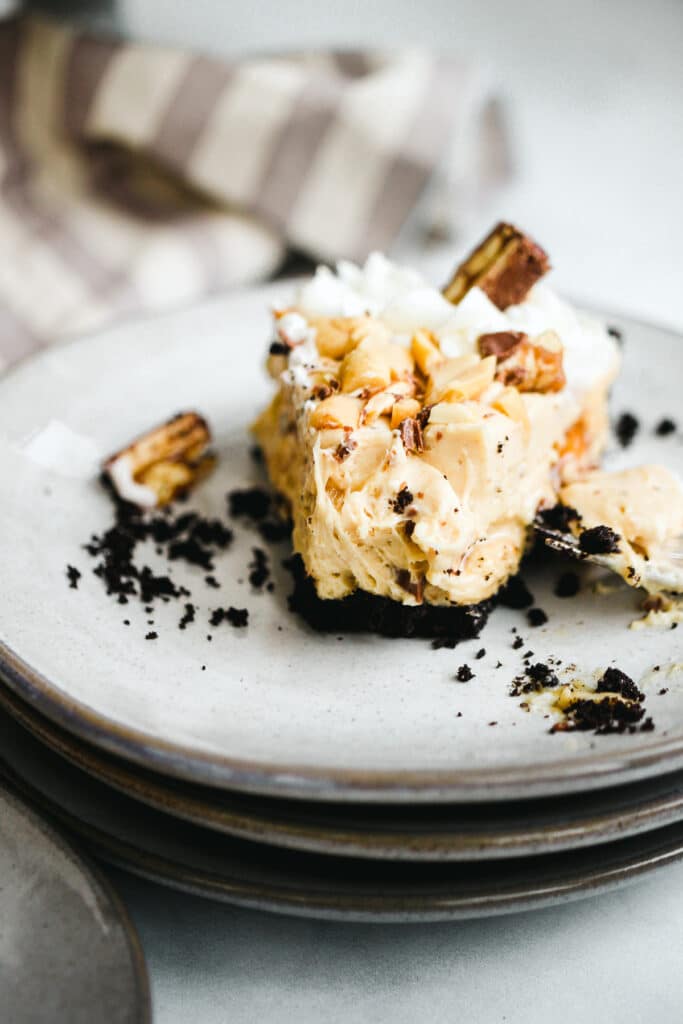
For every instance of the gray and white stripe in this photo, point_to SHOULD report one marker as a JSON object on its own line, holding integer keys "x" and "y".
{"x": 135, "y": 177}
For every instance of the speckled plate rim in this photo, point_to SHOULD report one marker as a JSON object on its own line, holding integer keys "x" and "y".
{"x": 97, "y": 882}
{"x": 610, "y": 867}
{"x": 594, "y": 771}
{"x": 295, "y": 825}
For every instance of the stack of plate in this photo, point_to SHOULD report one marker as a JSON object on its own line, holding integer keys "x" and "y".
{"x": 275, "y": 767}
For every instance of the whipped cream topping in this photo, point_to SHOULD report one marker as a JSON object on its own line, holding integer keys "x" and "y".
{"x": 404, "y": 301}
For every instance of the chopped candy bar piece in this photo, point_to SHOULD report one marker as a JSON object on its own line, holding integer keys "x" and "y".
{"x": 504, "y": 266}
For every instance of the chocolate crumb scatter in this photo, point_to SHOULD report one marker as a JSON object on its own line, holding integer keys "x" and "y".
{"x": 464, "y": 674}
{"x": 535, "y": 678}
{"x": 259, "y": 569}
{"x": 237, "y": 617}
{"x": 73, "y": 575}
{"x": 615, "y": 333}
{"x": 613, "y": 680}
{"x": 536, "y": 617}
{"x": 211, "y": 581}
{"x": 480, "y": 654}
{"x": 249, "y": 503}
{"x": 179, "y": 535}
{"x": 403, "y": 499}
{"x": 599, "y": 540}
{"x": 665, "y": 427}
{"x": 619, "y": 711}
{"x": 568, "y": 585}
{"x": 626, "y": 428}
{"x": 611, "y": 715}
{"x": 518, "y": 643}
{"x": 188, "y": 616}
{"x": 275, "y": 530}
{"x": 257, "y": 504}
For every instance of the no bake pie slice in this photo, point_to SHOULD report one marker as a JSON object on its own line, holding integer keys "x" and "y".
{"x": 415, "y": 434}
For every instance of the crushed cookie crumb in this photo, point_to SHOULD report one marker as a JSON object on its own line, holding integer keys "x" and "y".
{"x": 568, "y": 585}
{"x": 626, "y": 428}
{"x": 237, "y": 617}
{"x": 188, "y": 616}
{"x": 73, "y": 575}
{"x": 665, "y": 427}
{"x": 464, "y": 674}
{"x": 259, "y": 569}
{"x": 249, "y": 502}
{"x": 599, "y": 540}
{"x": 536, "y": 617}
{"x": 613, "y": 680}
{"x": 400, "y": 503}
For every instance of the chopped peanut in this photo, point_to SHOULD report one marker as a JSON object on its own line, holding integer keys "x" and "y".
{"x": 426, "y": 351}
{"x": 461, "y": 378}
{"x": 405, "y": 408}
{"x": 453, "y": 412}
{"x": 337, "y": 411}
{"x": 382, "y": 403}
{"x": 511, "y": 404}
{"x": 373, "y": 365}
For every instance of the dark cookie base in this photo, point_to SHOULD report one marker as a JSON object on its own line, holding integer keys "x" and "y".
{"x": 361, "y": 612}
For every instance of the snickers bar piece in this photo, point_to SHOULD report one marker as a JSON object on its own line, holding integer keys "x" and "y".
{"x": 166, "y": 461}
{"x": 505, "y": 266}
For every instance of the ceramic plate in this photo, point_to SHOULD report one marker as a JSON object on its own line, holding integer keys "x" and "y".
{"x": 67, "y": 949}
{"x": 280, "y": 709}
{"x": 160, "y": 847}
{"x": 427, "y": 832}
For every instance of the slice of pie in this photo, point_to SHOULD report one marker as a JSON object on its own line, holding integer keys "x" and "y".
{"x": 415, "y": 433}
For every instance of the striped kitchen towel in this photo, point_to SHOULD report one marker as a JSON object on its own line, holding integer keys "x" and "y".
{"x": 134, "y": 178}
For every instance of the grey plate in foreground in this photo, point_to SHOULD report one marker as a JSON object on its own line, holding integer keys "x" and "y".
{"x": 159, "y": 847}
{"x": 68, "y": 951}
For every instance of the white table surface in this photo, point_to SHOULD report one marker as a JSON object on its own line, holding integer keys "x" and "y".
{"x": 595, "y": 100}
